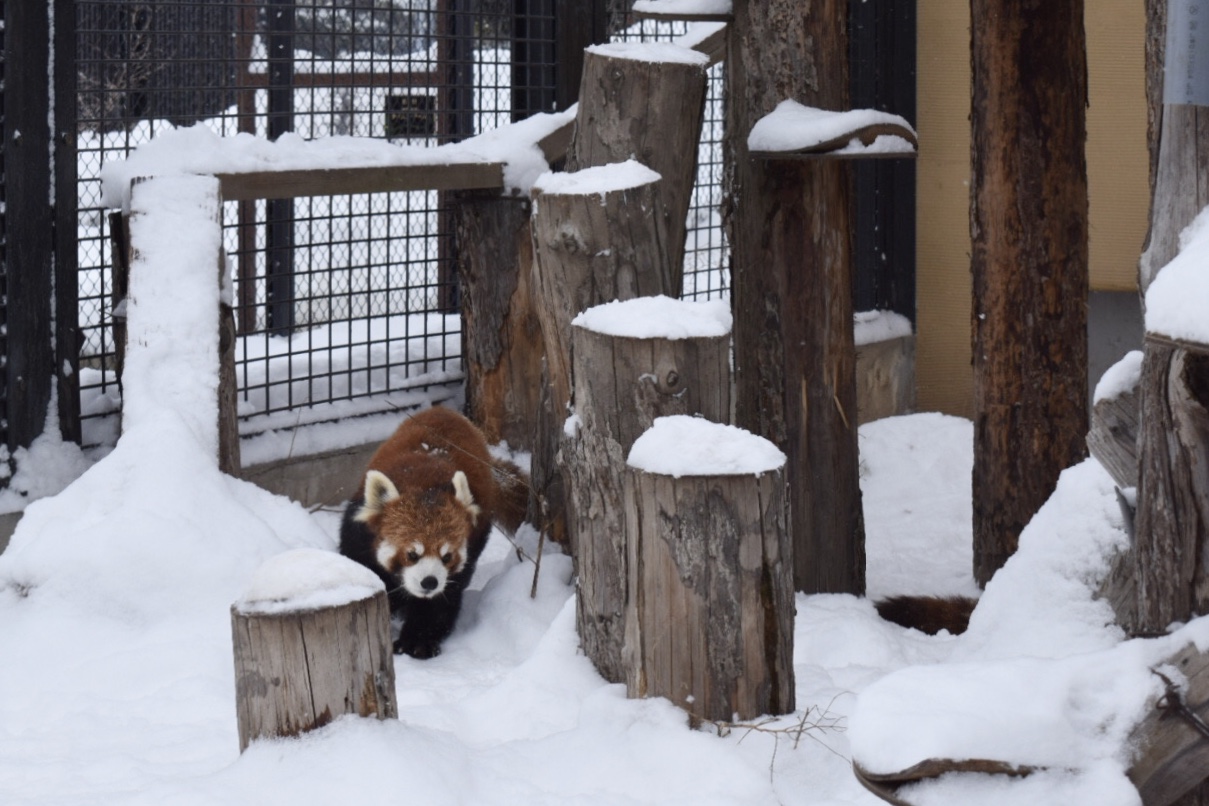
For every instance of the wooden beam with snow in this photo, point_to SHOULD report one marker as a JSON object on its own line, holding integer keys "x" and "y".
{"x": 291, "y": 184}
{"x": 793, "y": 131}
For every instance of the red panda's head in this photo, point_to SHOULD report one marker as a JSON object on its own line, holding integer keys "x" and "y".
{"x": 422, "y": 536}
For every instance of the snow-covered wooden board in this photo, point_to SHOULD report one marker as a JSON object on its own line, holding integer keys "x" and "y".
{"x": 794, "y": 131}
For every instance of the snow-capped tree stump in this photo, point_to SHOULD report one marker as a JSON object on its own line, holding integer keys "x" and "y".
{"x": 312, "y": 643}
{"x": 645, "y": 101}
{"x": 596, "y": 238}
{"x": 632, "y": 361}
{"x": 709, "y": 619}
{"x": 502, "y": 334}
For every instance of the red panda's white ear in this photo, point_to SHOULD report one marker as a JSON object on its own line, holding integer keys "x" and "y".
{"x": 379, "y": 491}
{"x": 461, "y": 490}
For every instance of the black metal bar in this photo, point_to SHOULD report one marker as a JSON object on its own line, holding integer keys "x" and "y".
{"x": 882, "y": 76}
{"x": 577, "y": 24}
{"x": 279, "y": 232}
{"x": 67, "y": 306}
{"x": 29, "y": 220}
{"x": 533, "y": 58}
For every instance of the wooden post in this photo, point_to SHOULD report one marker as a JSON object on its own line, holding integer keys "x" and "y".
{"x": 595, "y": 239}
{"x": 304, "y": 656}
{"x": 709, "y": 621}
{"x": 646, "y": 102}
{"x": 501, "y": 330}
{"x": 1028, "y": 225}
{"x": 788, "y": 224}
{"x": 680, "y": 365}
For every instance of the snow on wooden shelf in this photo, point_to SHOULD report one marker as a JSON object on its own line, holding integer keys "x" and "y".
{"x": 794, "y": 131}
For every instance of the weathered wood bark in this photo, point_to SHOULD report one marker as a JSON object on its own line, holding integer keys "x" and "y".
{"x": 637, "y": 104}
{"x": 1113, "y": 436}
{"x": 229, "y": 459}
{"x": 1173, "y": 755}
{"x": 501, "y": 332}
{"x": 789, "y": 231}
{"x": 621, "y": 386}
{"x": 589, "y": 248}
{"x": 710, "y": 621}
{"x": 298, "y": 670}
{"x": 1172, "y": 525}
{"x": 1029, "y": 256}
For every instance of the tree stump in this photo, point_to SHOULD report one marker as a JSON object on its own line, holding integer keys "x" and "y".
{"x": 645, "y": 101}
{"x": 312, "y": 643}
{"x": 1172, "y": 525}
{"x": 501, "y": 330}
{"x": 595, "y": 239}
{"x": 632, "y": 362}
{"x": 709, "y": 621}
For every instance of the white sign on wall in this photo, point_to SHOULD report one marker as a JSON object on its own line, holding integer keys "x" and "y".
{"x": 1186, "y": 71}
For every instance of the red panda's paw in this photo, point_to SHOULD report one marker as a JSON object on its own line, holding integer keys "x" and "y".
{"x": 417, "y": 648}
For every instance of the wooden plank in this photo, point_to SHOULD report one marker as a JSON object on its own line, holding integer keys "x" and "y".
{"x": 289, "y": 184}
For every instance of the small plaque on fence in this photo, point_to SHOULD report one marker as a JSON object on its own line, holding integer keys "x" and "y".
{"x": 411, "y": 115}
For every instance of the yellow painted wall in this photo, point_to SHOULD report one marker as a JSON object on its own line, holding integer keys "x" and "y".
{"x": 1117, "y": 180}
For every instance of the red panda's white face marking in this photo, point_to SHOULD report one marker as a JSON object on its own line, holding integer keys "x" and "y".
{"x": 420, "y": 544}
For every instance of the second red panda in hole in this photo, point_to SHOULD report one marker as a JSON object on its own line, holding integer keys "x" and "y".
{"x": 929, "y": 614}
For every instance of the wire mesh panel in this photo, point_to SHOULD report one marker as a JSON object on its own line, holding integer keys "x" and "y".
{"x": 341, "y": 302}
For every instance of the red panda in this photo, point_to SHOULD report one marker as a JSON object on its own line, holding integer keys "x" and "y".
{"x": 421, "y": 518}
{"x": 929, "y": 614}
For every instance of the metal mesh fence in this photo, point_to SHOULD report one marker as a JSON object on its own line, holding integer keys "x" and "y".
{"x": 340, "y": 301}
{"x": 344, "y": 305}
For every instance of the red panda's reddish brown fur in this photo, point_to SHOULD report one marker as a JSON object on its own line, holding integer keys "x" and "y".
{"x": 929, "y": 614}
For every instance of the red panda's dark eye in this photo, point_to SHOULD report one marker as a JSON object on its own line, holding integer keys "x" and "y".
{"x": 412, "y": 557}
{"x": 447, "y": 558}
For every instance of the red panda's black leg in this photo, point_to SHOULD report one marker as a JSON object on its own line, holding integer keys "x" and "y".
{"x": 427, "y": 623}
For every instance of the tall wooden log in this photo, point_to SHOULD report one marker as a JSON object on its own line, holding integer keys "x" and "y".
{"x": 595, "y": 239}
{"x": 789, "y": 231}
{"x": 1029, "y": 259}
{"x": 681, "y": 365}
{"x": 645, "y": 101}
{"x": 500, "y": 326}
{"x": 304, "y": 656}
{"x": 709, "y": 621}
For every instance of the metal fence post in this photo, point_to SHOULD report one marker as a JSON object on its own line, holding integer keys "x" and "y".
{"x": 29, "y": 223}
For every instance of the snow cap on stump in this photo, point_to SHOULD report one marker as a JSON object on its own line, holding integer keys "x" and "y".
{"x": 691, "y": 446}
{"x": 307, "y": 579}
{"x": 657, "y": 317}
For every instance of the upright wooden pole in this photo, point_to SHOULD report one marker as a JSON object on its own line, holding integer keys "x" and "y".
{"x": 500, "y": 327}
{"x": 1029, "y": 230}
{"x": 595, "y": 239}
{"x": 795, "y": 364}
{"x": 645, "y": 102}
